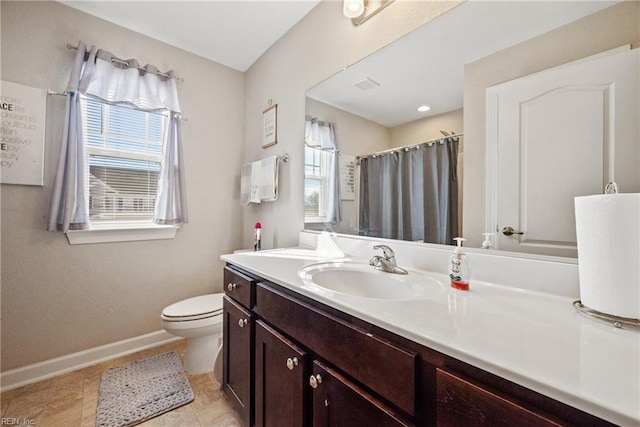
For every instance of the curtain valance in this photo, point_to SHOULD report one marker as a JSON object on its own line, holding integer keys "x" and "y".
{"x": 319, "y": 134}
{"x": 116, "y": 80}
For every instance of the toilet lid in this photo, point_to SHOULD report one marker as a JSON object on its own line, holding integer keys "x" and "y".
{"x": 202, "y": 306}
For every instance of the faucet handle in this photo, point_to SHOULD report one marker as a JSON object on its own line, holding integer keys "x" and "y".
{"x": 386, "y": 250}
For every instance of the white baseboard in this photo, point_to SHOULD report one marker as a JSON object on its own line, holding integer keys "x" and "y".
{"x": 35, "y": 372}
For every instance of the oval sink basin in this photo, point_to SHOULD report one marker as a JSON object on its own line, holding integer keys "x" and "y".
{"x": 363, "y": 280}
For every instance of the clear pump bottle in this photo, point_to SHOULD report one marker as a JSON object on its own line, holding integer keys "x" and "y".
{"x": 487, "y": 243}
{"x": 459, "y": 271}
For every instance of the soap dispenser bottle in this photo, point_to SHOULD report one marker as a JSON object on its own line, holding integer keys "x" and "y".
{"x": 487, "y": 244}
{"x": 459, "y": 272}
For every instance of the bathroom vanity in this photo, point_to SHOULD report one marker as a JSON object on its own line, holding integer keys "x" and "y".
{"x": 298, "y": 356}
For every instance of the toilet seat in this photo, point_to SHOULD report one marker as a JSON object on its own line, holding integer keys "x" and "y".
{"x": 196, "y": 308}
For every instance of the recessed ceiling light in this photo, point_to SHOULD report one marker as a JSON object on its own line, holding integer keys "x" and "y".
{"x": 423, "y": 108}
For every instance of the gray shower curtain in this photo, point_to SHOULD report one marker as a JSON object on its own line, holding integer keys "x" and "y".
{"x": 411, "y": 194}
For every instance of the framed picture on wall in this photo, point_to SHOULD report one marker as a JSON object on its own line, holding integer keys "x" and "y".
{"x": 270, "y": 126}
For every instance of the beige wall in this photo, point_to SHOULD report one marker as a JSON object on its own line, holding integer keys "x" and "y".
{"x": 318, "y": 46}
{"x": 426, "y": 129}
{"x": 613, "y": 27}
{"x": 58, "y": 299}
{"x": 355, "y": 135}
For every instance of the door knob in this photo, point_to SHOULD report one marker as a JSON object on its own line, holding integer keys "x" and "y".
{"x": 314, "y": 380}
{"x": 242, "y": 323}
{"x": 508, "y": 231}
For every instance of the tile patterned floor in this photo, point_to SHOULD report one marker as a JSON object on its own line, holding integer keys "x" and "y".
{"x": 70, "y": 400}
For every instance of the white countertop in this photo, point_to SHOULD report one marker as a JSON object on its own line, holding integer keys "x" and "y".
{"x": 534, "y": 339}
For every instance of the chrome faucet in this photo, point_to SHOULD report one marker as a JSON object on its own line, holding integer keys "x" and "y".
{"x": 387, "y": 262}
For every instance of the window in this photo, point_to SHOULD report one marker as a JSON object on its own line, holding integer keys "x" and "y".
{"x": 124, "y": 149}
{"x": 315, "y": 181}
{"x": 124, "y": 155}
{"x": 133, "y": 153}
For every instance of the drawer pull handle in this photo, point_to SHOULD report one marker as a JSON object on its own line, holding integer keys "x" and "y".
{"x": 231, "y": 286}
{"x": 292, "y": 363}
{"x": 242, "y": 322}
{"x": 315, "y": 380}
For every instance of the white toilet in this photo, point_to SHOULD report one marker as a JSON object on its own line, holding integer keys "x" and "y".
{"x": 199, "y": 319}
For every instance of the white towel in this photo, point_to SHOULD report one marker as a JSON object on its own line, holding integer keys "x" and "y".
{"x": 245, "y": 184}
{"x": 256, "y": 169}
{"x": 268, "y": 182}
{"x": 259, "y": 181}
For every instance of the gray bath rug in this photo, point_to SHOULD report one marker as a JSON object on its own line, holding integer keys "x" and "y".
{"x": 142, "y": 389}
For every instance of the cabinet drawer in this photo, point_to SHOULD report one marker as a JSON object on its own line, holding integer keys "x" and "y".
{"x": 460, "y": 402}
{"x": 383, "y": 367}
{"x": 239, "y": 287}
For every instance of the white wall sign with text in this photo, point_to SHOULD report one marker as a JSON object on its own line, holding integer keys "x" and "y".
{"x": 23, "y": 111}
{"x": 347, "y": 177}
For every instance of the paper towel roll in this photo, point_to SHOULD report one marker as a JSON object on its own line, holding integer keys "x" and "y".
{"x": 608, "y": 233}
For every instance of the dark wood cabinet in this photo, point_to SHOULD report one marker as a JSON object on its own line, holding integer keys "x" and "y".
{"x": 382, "y": 366}
{"x": 463, "y": 402}
{"x": 281, "y": 372}
{"x": 292, "y": 361}
{"x": 339, "y": 402}
{"x": 238, "y": 357}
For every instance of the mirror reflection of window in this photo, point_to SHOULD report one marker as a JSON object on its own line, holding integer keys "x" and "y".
{"x": 315, "y": 182}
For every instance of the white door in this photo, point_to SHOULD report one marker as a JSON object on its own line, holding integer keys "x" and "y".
{"x": 558, "y": 134}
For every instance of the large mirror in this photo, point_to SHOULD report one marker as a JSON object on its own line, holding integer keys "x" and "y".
{"x": 455, "y": 65}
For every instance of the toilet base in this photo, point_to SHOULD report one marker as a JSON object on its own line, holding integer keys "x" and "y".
{"x": 217, "y": 367}
{"x": 200, "y": 355}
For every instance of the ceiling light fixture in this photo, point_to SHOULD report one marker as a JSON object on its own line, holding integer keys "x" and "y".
{"x": 423, "y": 108}
{"x": 361, "y": 11}
{"x": 353, "y": 8}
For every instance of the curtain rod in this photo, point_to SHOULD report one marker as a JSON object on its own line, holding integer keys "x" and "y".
{"x": 312, "y": 119}
{"x": 126, "y": 63}
{"x": 65, "y": 93}
{"x": 430, "y": 142}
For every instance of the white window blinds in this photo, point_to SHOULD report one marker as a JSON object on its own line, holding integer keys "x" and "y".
{"x": 315, "y": 181}
{"x": 124, "y": 149}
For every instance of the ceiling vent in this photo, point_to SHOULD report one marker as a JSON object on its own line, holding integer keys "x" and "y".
{"x": 367, "y": 84}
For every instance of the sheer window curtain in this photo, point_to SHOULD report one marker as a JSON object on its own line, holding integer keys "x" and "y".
{"x": 321, "y": 135}
{"x": 411, "y": 195}
{"x": 100, "y": 74}
{"x": 70, "y": 199}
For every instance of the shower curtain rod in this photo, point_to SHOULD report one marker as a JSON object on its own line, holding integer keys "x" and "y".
{"x": 430, "y": 142}
{"x": 124, "y": 62}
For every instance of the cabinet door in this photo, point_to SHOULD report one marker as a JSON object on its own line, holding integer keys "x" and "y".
{"x": 337, "y": 402}
{"x": 461, "y": 402}
{"x": 237, "y": 363}
{"x": 332, "y": 339}
{"x": 280, "y": 378}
